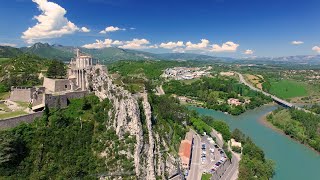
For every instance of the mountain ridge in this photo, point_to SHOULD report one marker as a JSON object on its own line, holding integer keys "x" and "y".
{"x": 112, "y": 54}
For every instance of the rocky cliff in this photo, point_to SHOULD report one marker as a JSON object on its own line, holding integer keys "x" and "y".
{"x": 128, "y": 117}
{"x": 125, "y": 114}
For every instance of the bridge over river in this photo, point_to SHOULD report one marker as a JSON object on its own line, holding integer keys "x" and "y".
{"x": 275, "y": 98}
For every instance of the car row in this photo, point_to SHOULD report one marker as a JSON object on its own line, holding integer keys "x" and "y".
{"x": 203, "y": 154}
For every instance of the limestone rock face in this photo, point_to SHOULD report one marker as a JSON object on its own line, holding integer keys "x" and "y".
{"x": 125, "y": 116}
{"x": 150, "y": 162}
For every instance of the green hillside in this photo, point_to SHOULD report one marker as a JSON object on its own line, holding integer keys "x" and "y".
{"x": 47, "y": 51}
{"x": 110, "y": 54}
{"x": 21, "y": 71}
{"x": 8, "y": 52}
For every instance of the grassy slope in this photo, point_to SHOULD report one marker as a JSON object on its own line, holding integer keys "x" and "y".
{"x": 288, "y": 89}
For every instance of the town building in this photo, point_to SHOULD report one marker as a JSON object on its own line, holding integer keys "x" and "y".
{"x": 186, "y": 73}
{"x": 234, "y": 101}
{"x": 185, "y": 153}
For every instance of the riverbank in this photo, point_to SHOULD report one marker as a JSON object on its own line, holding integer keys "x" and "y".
{"x": 284, "y": 151}
{"x": 264, "y": 121}
{"x": 202, "y": 106}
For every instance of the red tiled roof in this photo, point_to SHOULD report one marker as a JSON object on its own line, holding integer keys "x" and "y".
{"x": 185, "y": 149}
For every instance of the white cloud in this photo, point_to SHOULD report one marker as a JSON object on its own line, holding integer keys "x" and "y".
{"x": 8, "y": 44}
{"x": 103, "y": 44}
{"x": 51, "y": 23}
{"x": 203, "y": 45}
{"x": 297, "y": 42}
{"x": 111, "y": 29}
{"x": 316, "y": 49}
{"x": 225, "y": 47}
{"x": 136, "y": 44}
{"x": 172, "y": 45}
{"x": 132, "y": 28}
{"x": 84, "y": 29}
{"x": 133, "y": 44}
{"x": 248, "y": 52}
{"x": 117, "y": 42}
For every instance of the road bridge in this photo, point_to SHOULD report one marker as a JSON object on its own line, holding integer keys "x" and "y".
{"x": 276, "y": 99}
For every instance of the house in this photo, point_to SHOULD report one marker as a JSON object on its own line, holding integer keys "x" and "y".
{"x": 185, "y": 153}
{"x": 234, "y": 101}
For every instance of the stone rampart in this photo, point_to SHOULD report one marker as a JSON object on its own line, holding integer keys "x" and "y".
{"x": 15, "y": 121}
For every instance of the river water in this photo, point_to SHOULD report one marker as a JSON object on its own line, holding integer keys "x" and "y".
{"x": 294, "y": 161}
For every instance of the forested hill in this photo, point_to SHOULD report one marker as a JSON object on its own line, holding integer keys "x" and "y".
{"x": 22, "y": 70}
{"x": 8, "y": 52}
{"x": 104, "y": 55}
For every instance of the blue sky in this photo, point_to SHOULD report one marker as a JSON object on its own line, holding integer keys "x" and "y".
{"x": 234, "y": 28}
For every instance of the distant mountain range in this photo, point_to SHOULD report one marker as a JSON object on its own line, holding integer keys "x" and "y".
{"x": 112, "y": 54}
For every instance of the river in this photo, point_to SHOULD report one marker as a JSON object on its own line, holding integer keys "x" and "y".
{"x": 293, "y": 160}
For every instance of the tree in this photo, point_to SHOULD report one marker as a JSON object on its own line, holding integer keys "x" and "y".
{"x": 56, "y": 69}
{"x": 238, "y": 135}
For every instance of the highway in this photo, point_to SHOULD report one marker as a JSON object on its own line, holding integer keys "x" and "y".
{"x": 275, "y": 98}
{"x": 195, "y": 170}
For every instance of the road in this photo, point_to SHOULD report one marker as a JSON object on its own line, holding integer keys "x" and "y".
{"x": 233, "y": 170}
{"x": 195, "y": 170}
{"x": 275, "y": 98}
{"x": 211, "y": 159}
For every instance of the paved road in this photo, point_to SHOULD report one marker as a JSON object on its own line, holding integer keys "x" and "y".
{"x": 275, "y": 98}
{"x": 233, "y": 170}
{"x": 195, "y": 171}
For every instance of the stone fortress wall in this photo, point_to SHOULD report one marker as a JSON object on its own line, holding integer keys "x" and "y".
{"x": 54, "y": 92}
{"x": 22, "y": 94}
{"x": 15, "y": 121}
{"x": 62, "y": 99}
{"x": 56, "y": 85}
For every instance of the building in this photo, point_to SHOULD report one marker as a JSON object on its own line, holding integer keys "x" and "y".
{"x": 78, "y": 68}
{"x": 185, "y": 153}
{"x": 234, "y": 101}
{"x": 57, "y": 92}
{"x": 235, "y": 143}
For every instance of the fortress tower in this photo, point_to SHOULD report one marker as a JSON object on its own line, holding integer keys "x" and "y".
{"x": 78, "y": 67}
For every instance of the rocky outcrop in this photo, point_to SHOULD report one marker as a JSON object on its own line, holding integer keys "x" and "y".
{"x": 125, "y": 116}
{"x": 150, "y": 156}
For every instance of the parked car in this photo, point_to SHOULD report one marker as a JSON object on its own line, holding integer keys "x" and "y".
{"x": 203, "y": 146}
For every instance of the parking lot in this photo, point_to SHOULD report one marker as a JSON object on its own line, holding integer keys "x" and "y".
{"x": 212, "y": 156}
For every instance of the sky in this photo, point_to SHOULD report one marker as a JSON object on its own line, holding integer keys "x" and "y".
{"x": 231, "y": 28}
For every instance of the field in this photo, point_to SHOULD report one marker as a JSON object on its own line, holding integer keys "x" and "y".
{"x": 256, "y": 80}
{"x": 288, "y": 89}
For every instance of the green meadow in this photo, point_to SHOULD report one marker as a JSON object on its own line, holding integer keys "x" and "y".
{"x": 288, "y": 89}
